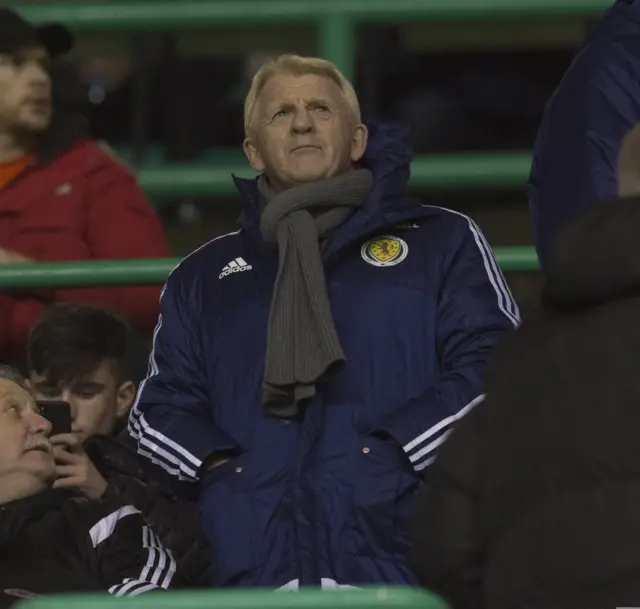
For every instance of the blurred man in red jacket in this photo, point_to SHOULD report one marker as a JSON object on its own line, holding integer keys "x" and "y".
{"x": 62, "y": 195}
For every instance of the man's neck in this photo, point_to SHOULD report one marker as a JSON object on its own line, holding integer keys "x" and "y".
{"x": 19, "y": 486}
{"x": 13, "y": 147}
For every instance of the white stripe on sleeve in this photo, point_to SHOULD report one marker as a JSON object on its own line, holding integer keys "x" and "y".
{"x": 157, "y": 572}
{"x": 163, "y": 451}
{"x": 422, "y": 449}
{"x": 506, "y": 302}
{"x": 104, "y": 528}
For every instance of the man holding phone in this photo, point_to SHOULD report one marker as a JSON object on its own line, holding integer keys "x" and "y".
{"x": 74, "y": 468}
{"x": 79, "y": 373}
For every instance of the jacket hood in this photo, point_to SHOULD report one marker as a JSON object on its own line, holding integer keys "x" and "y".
{"x": 622, "y": 18}
{"x": 388, "y": 156}
{"x": 596, "y": 259}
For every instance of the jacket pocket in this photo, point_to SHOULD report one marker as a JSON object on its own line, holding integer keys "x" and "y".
{"x": 225, "y": 514}
{"x": 243, "y": 515}
{"x": 51, "y": 243}
{"x": 384, "y": 487}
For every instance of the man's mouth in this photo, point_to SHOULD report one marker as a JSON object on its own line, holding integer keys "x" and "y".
{"x": 305, "y": 147}
{"x": 44, "y": 448}
{"x": 39, "y": 103}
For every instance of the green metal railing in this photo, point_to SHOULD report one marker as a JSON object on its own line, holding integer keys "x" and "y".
{"x": 486, "y": 171}
{"x": 336, "y": 20}
{"x": 154, "y": 271}
{"x": 368, "y": 598}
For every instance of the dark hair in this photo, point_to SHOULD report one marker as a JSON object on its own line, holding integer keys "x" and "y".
{"x": 69, "y": 122}
{"x": 9, "y": 373}
{"x": 72, "y": 339}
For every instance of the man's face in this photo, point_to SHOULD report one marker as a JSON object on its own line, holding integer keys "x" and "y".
{"x": 303, "y": 131}
{"x": 97, "y": 400}
{"x": 26, "y": 458}
{"x": 25, "y": 90}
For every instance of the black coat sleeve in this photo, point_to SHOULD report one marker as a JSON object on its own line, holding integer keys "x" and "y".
{"x": 129, "y": 557}
{"x": 447, "y": 553}
{"x": 173, "y": 515}
{"x": 174, "y": 520}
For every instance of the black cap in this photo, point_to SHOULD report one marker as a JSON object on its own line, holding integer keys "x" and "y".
{"x": 16, "y": 32}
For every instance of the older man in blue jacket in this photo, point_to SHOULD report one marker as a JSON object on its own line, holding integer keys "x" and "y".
{"x": 307, "y": 367}
{"x": 595, "y": 105}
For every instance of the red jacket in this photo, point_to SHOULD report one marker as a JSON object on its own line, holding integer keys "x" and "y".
{"x": 83, "y": 205}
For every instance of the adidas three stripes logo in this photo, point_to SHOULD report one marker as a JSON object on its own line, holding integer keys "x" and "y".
{"x": 235, "y": 266}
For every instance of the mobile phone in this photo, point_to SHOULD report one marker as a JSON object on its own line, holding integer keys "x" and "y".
{"x": 58, "y": 414}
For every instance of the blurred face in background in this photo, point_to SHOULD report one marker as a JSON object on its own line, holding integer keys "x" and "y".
{"x": 97, "y": 399}
{"x": 26, "y": 457}
{"x": 303, "y": 131}
{"x": 25, "y": 91}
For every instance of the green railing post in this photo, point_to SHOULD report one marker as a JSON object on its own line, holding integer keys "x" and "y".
{"x": 337, "y": 42}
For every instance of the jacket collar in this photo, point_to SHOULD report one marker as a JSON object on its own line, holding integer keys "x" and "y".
{"x": 14, "y": 515}
{"x": 388, "y": 156}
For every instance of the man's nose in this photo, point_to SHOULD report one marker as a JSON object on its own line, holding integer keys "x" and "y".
{"x": 37, "y": 75}
{"x": 38, "y": 424}
{"x": 302, "y": 121}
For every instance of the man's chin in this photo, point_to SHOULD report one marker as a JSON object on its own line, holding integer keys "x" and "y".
{"x": 34, "y": 125}
{"x": 42, "y": 461}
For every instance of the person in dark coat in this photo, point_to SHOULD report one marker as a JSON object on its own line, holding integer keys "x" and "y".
{"x": 595, "y": 104}
{"x": 52, "y": 544}
{"x": 307, "y": 368}
{"x": 534, "y": 500}
{"x": 79, "y": 353}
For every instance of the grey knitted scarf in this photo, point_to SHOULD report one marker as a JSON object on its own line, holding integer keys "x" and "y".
{"x": 303, "y": 347}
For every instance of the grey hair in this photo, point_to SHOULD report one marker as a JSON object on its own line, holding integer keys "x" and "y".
{"x": 9, "y": 373}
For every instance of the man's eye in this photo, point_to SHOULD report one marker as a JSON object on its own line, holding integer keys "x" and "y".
{"x": 87, "y": 394}
{"x": 48, "y": 392}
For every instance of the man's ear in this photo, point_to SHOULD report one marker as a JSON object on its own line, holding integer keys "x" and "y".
{"x": 359, "y": 140}
{"x": 124, "y": 398}
{"x": 252, "y": 153}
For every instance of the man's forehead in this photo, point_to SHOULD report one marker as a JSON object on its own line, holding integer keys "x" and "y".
{"x": 288, "y": 88}
{"x": 12, "y": 391}
{"x": 34, "y": 51}
{"x": 98, "y": 375}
